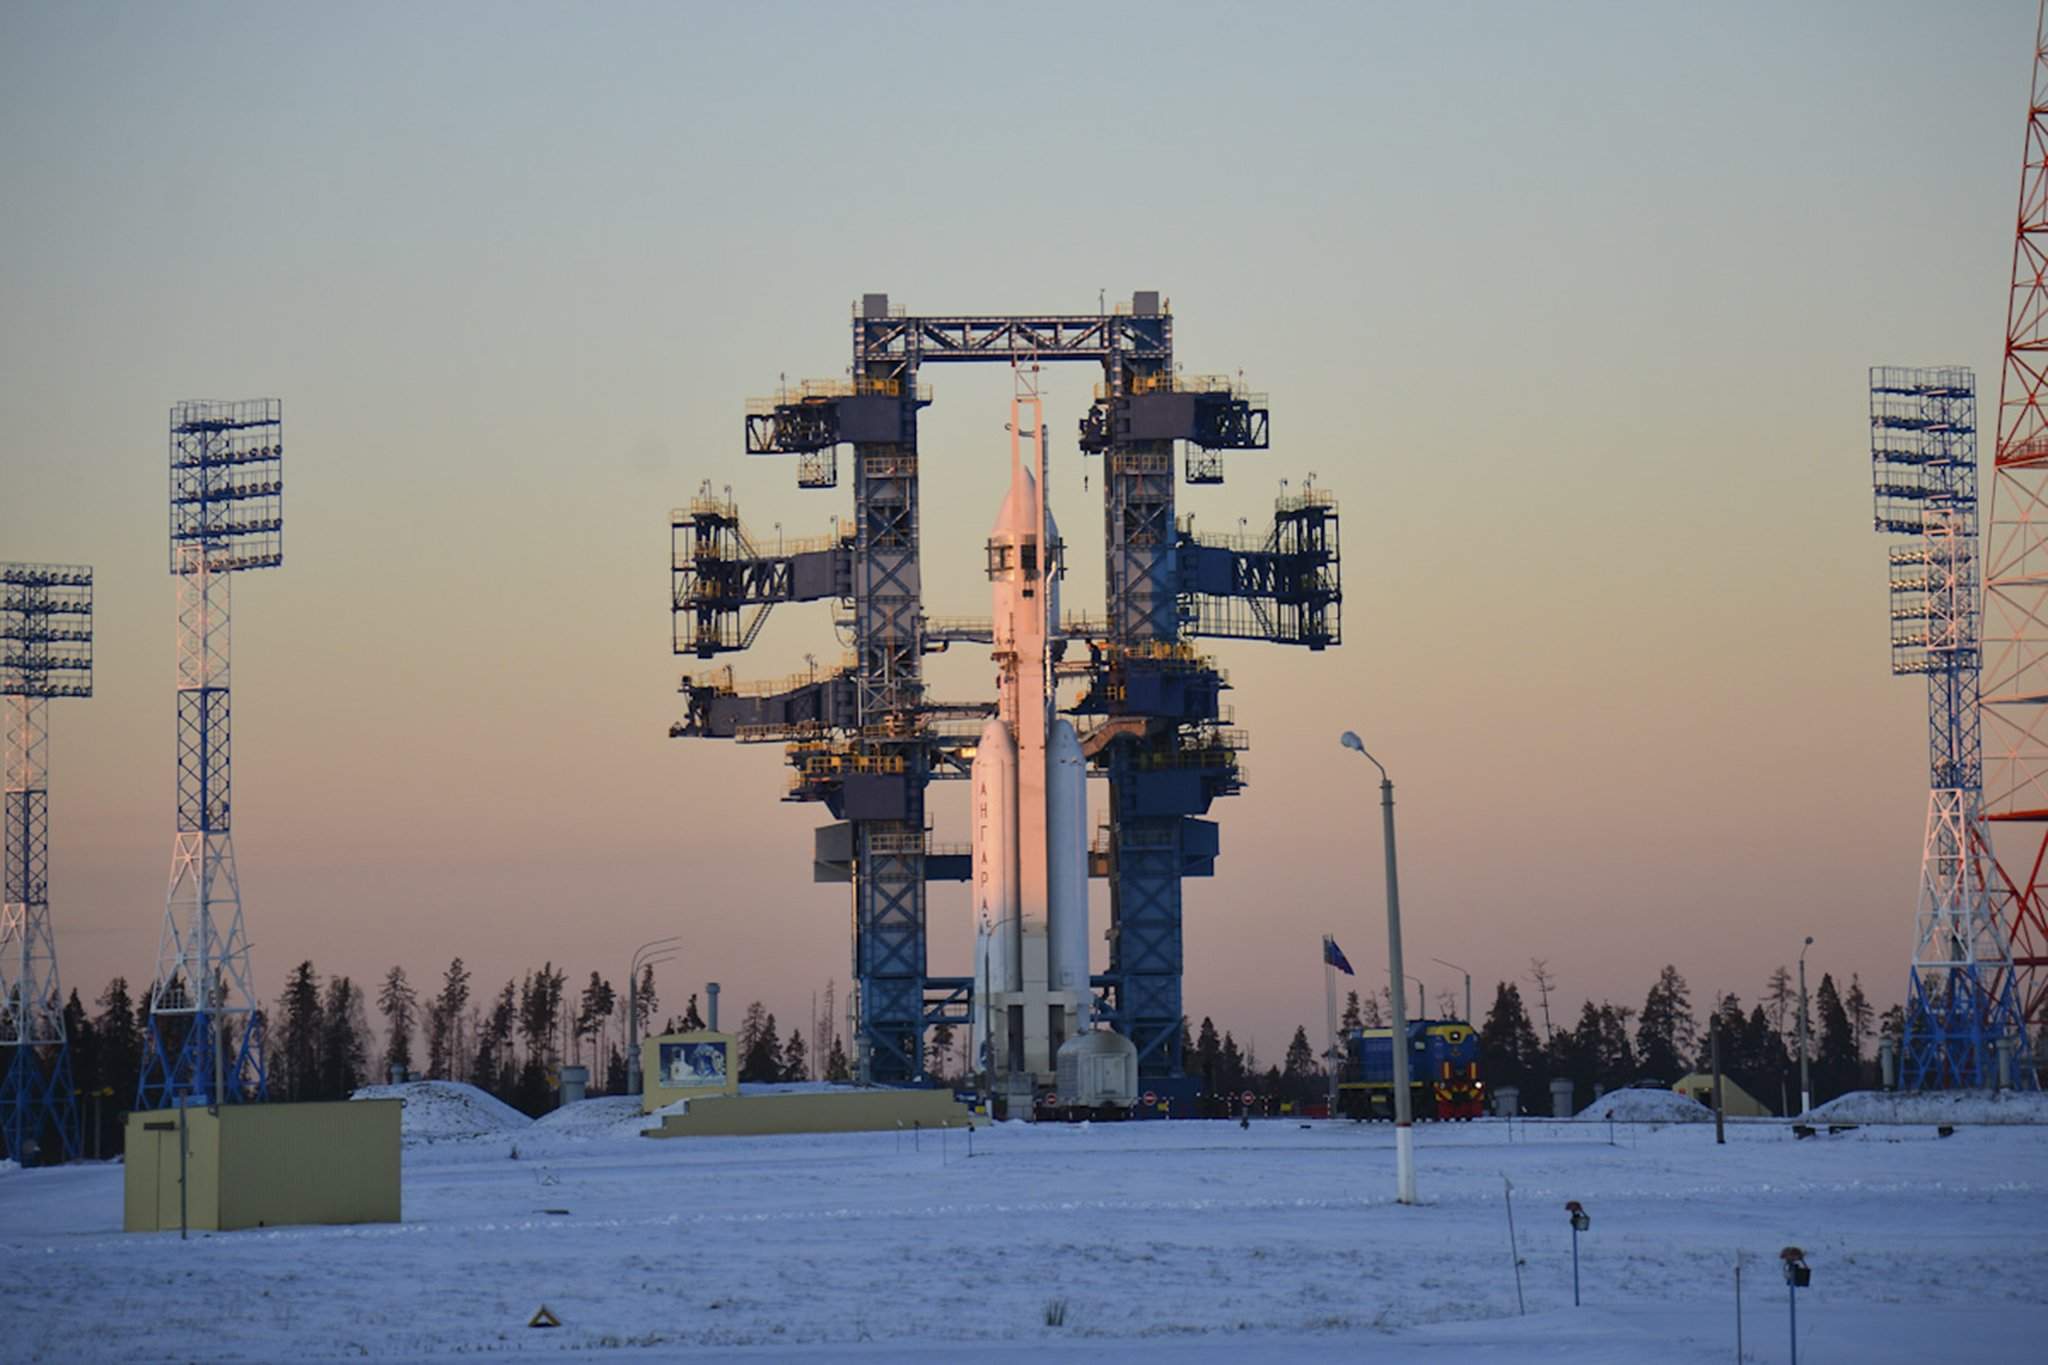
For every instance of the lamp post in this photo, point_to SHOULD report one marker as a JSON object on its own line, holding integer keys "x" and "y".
{"x": 1404, "y": 1133}
{"x": 1805, "y": 1080}
{"x": 1468, "y": 984}
{"x": 646, "y": 955}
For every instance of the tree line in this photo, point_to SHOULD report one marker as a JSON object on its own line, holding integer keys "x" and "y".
{"x": 512, "y": 1043}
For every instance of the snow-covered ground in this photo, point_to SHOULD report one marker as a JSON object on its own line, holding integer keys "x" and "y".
{"x": 1647, "y": 1106}
{"x": 1170, "y": 1244}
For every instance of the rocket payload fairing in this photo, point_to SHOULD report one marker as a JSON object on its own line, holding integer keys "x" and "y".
{"x": 1029, "y": 803}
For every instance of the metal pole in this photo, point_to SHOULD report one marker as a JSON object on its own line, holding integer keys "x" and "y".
{"x": 1330, "y": 1017}
{"x": 1404, "y": 1133}
{"x": 1714, "y": 1046}
{"x": 1738, "y": 1308}
{"x": 1575, "y": 1265}
{"x": 184, "y": 1146}
{"x": 1397, "y": 992}
{"x": 1514, "y": 1251}
{"x": 1792, "y": 1298}
{"x": 1805, "y": 1078}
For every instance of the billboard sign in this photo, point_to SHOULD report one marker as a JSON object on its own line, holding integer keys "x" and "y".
{"x": 694, "y": 1066}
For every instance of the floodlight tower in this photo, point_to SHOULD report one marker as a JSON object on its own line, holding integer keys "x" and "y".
{"x": 45, "y": 652}
{"x": 1962, "y": 1015}
{"x": 227, "y": 515}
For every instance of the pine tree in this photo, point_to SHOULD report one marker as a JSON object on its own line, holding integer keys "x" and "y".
{"x": 796, "y": 1059}
{"x": 295, "y": 1063}
{"x": 120, "y": 1043}
{"x": 1230, "y": 1068}
{"x": 1301, "y": 1057}
{"x": 1862, "y": 1019}
{"x": 762, "y": 1060}
{"x": 1545, "y": 981}
{"x": 1780, "y": 1000}
{"x": 344, "y": 1040}
{"x": 595, "y": 1008}
{"x": 400, "y": 1007}
{"x": 451, "y": 1005}
{"x": 1352, "y": 1017}
{"x": 752, "y": 1023}
{"x": 837, "y": 1067}
{"x": 1509, "y": 1054}
{"x": 1836, "y": 1065}
{"x": 492, "y": 1066}
{"x": 1372, "y": 1016}
{"x": 1666, "y": 1033}
{"x": 693, "y": 1022}
{"x": 644, "y": 998}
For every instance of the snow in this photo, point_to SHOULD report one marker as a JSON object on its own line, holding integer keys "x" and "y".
{"x": 1181, "y": 1243}
{"x": 442, "y": 1111}
{"x": 1958, "y": 1106}
{"x": 1647, "y": 1106}
{"x": 608, "y": 1116}
{"x": 8, "y": 1167}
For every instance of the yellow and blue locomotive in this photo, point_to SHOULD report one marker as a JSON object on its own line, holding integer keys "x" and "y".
{"x": 1443, "y": 1072}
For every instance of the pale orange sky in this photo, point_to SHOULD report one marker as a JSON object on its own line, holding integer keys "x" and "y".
{"x": 1571, "y": 310}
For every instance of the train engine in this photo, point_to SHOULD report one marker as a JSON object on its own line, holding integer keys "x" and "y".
{"x": 1443, "y": 1072}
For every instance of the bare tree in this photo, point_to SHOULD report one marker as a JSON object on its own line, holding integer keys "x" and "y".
{"x": 1543, "y": 979}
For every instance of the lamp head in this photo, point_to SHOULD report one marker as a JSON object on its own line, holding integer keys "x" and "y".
{"x": 1809, "y": 940}
{"x": 1352, "y": 741}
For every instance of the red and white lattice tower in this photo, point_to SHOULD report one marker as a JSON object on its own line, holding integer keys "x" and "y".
{"x": 2015, "y": 676}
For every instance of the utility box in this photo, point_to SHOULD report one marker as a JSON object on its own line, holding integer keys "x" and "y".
{"x": 263, "y": 1165}
{"x": 1561, "y": 1099}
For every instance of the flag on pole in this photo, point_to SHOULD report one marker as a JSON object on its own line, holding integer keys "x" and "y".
{"x": 1334, "y": 955}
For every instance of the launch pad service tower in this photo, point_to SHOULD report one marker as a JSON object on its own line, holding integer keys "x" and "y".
{"x": 866, "y": 739}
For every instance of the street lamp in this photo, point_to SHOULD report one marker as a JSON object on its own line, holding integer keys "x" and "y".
{"x": 646, "y": 955}
{"x": 1805, "y": 1081}
{"x": 1404, "y": 1133}
{"x": 1468, "y": 984}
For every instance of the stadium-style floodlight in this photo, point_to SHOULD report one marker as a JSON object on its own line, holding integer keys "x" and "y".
{"x": 1404, "y": 1133}
{"x": 45, "y": 652}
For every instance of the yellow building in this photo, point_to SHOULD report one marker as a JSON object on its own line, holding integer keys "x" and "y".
{"x": 1735, "y": 1101}
{"x": 262, "y": 1165}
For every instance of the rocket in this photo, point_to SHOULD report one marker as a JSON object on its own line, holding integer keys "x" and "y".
{"x": 1029, "y": 805}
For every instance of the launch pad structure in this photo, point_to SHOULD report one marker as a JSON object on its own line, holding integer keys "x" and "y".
{"x": 866, "y": 740}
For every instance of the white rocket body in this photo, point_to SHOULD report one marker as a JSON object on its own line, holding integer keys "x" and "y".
{"x": 1030, "y": 819}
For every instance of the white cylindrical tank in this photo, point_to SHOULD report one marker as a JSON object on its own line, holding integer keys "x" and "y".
{"x": 1098, "y": 1070}
{"x": 1066, "y": 800}
{"x": 993, "y": 827}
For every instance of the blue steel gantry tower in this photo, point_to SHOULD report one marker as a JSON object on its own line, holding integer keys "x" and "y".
{"x": 45, "y": 652}
{"x": 227, "y": 516}
{"x": 1962, "y": 1013}
{"x": 866, "y": 741}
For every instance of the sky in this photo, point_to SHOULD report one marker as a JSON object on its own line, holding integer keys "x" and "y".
{"x": 1571, "y": 307}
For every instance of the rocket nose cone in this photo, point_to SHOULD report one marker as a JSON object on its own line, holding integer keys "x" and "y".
{"x": 1015, "y": 516}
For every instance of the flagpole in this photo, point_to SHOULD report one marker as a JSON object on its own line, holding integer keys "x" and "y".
{"x": 1330, "y": 1014}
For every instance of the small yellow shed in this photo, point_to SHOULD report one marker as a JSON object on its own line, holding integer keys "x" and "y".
{"x": 1735, "y": 1101}
{"x": 263, "y": 1165}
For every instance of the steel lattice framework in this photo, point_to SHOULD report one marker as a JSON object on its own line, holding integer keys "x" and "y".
{"x": 2015, "y": 675}
{"x": 45, "y": 652}
{"x": 1961, "y": 1009}
{"x": 227, "y": 515}
{"x": 866, "y": 740}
